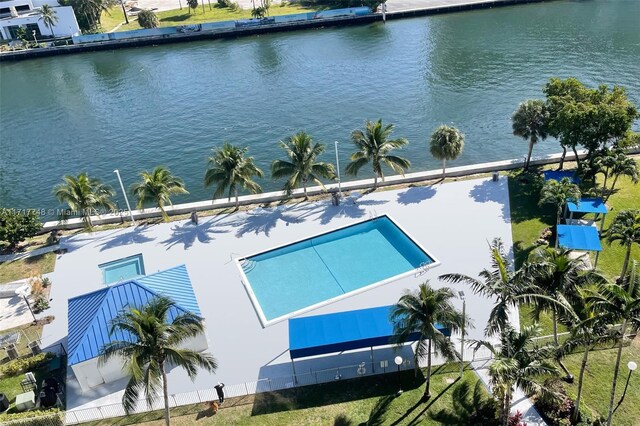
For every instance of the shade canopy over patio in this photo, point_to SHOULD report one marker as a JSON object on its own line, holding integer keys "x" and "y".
{"x": 560, "y": 174}
{"x": 343, "y": 331}
{"x": 588, "y": 205}
{"x": 577, "y": 237}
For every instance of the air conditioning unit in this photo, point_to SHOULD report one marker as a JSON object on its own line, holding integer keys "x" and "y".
{"x": 12, "y": 352}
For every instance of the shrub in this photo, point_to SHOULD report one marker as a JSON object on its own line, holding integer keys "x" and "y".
{"x": 147, "y": 19}
{"x": 224, "y": 3}
{"x": 235, "y": 6}
{"x": 40, "y": 304}
{"x": 516, "y": 420}
{"x": 16, "y": 226}
{"x": 555, "y": 406}
{"x": 51, "y": 417}
{"x": 22, "y": 365}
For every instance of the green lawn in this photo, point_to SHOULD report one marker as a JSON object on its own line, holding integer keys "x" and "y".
{"x": 322, "y": 404}
{"x": 114, "y": 16}
{"x": 19, "y": 269}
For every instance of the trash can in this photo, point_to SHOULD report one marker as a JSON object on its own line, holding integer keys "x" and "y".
{"x": 4, "y": 403}
{"x": 495, "y": 176}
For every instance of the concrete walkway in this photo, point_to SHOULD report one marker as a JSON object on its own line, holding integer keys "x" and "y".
{"x": 27, "y": 254}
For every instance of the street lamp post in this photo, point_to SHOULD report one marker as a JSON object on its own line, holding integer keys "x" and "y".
{"x": 24, "y": 292}
{"x": 464, "y": 310}
{"x": 34, "y": 36}
{"x": 398, "y": 360}
{"x": 632, "y": 367}
{"x": 338, "y": 169}
{"x": 117, "y": 172}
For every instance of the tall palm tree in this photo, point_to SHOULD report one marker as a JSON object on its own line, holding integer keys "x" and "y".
{"x": 618, "y": 304}
{"x": 49, "y": 17}
{"x": 529, "y": 121}
{"x": 229, "y": 167}
{"x": 153, "y": 344}
{"x": 157, "y": 187}
{"x": 625, "y": 229}
{"x": 418, "y": 312}
{"x": 447, "y": 143}
{"x": 517, "y": 362}
{"x": 559, "y": 193}
{"x": 621, "y": 165}
{"x": 84, "y": 195}
{"x": 301, "y": 166}
{"x": 374, "y": 146}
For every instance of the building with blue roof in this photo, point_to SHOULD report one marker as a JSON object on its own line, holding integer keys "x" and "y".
{"x": 90, "y": 315}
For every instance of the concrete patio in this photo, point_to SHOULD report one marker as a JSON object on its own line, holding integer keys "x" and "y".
{"x": 454, "y": 221}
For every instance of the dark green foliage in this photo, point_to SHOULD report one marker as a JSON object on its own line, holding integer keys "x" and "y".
{"x": 193, "y": 4}
{"x": 22, "y": 365}
{"x": 470, "y": 407}
{"x": 40, "y": 304}
{"x": 51, "y": 417}
{"x": 556, "y": 406}
{"x": 147, "y": 19}
{"x": 16, "y": 226}
{"x": 88, "y": 12}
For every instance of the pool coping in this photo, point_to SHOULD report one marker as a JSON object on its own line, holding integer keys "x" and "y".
{"x": 258, "y": 308}
{"x": 103, "y": 268}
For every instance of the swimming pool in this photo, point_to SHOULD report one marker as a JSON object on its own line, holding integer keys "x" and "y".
{"x": 306, "y": 274}
{"x": 122, "y": 269}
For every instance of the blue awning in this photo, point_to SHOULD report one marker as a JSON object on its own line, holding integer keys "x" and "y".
{"x": 588, "y": 205}
{"x": 560, "y": 174}
{"x": 579, "y": 237}
{"x": 343, "y": 331}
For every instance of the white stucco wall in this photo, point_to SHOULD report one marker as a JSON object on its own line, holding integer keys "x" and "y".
{"x": 66, "y": 25}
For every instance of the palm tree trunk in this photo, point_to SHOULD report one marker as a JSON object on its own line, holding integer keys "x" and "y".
{"x": 427, "y": 388}
{"x": 375, "y": 182}
{"x": 604, "y": 183}
{"x": 526, "y": 165}
{"x": 304, "y": 186}
{"x": 165, "y": 391}
{"x": 564, "y": 154}
{"x": 555, "y": 326}
{"x": 235, "y": 192}
{"x": 165, "y": 216}
{"x": 506, "y": 408}
{"x": 444, "y": 165}
{"x": 625, "y": 265}
{"x": 583, "y": 366}
{"x": 615, "y": 372}
{"x": 88, "y": 216}
{"x": 613, "y": 185}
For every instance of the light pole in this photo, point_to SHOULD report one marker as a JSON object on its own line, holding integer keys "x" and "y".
{"x": 24, "y": 292}
{"x": 398, "y": 360}
{"x": 632, "y": 367}
{"x": 124, "y": 11}
{"x": 34, "y": 36}
{"x": 464, "y": 320}
{"x": 338, "y": 169}
{"x": 117, "y": 172}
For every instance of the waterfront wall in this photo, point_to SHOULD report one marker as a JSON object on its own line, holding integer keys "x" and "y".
{"x": 269, "y": 197}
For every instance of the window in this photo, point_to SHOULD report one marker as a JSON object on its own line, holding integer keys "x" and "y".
{"x": 30, "y": 29}
{"x": 23, "y": 8}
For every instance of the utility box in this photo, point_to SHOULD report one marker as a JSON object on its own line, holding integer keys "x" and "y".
{"x": 496, "y": 176}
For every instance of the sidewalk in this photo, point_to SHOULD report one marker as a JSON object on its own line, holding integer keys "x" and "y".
{"x": 27, "y": 254}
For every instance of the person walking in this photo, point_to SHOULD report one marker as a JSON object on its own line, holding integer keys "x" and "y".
{"x": 220, "y": 391}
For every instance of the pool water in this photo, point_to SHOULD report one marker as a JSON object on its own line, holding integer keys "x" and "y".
{"x": 294, "y": 277}
{"x": 122, "y": 269}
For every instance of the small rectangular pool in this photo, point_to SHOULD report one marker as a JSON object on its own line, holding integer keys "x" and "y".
{"x": 122, "y": 269}
{"x": 306, "y": 274}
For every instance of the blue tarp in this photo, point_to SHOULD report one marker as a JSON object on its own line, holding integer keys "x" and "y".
{"x": 560, "y": 174}
{"x": 579, "y": 237}
{"x": 342, "y": 331}
{"x": 588, "y": 205}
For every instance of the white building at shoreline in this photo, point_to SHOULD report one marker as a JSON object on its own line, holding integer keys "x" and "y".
{"x": 26, "y": 14}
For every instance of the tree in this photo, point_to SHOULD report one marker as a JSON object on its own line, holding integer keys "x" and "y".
{"x": 447, "y": 143}
{"x": 153, "y": 343}
{"x": 301, "y": 166}
{"x": 16, "y": 226}
{"x": 84, "y": 196}
{"x": 89, "y": 12}
{"x": 49, "y": 17}
{"x": 529, "y": 122}
{"x": 625, "y": 229}
{"x": 147, "y": 19}
{"x": 418, "y": 312}
{"x": 620, "y": 164}
{"x": 258, "y": 12}
{"x": 374, "y": 146}
{"x": 592, "y": 118}
{"x": 517, "y": 362}
{"x": 193, "y": 4}
{"x": 157, "y": 187}
{"x": 618, "y": 304}
{"x": 559, "y": 193}
{"x": 229, "y": 167}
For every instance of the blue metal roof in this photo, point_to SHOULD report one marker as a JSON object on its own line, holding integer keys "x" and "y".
{"x": 560, "y": 174}
{"x": 342, "y": 331}
{"x": 579, "y": 237}
{"x": 588, "y": 205}
{"x": 91, "y": 313}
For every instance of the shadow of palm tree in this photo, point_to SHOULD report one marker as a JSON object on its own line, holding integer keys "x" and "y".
{"x": 127, "y": 237}
{"x": 188, "y": 233}
{"x": 177, "y": 18}
{"x": 469, "y": 407}
{"x": 264, "y": 220}
{"x": 490, "y": 191}
{"x": 353, "y": 210}
{"x": 416, "y": 194}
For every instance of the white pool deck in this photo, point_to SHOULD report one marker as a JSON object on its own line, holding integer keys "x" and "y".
{"x": 455, "y": 221}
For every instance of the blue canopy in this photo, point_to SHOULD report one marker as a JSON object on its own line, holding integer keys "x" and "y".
{"x": 588, "y": 205}
{"x": 579, "y": 237}
{"x": 343, "y": 331}
{"x": 560, "y": 174}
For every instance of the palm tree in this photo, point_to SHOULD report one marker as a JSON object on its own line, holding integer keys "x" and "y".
{"x": 618, "y": 304}
{"x": 84, "y": 195}
{"x": 157, "y": 187}
{"x": 374, "y": 147}
{"x": 447, "y": 143}
{"x": 621, "y": 164}
{"x": 517, "y": 362}
{"x": 154, "y": 343}
{"x": 529, "y": 121}
{"x": 301, "y": 166}
{"x": 418, "y": 312}
{"x": 230, "y": 168}
{"x": 558, "y": 194}
{"x": 49, "y": 17}
{"x": 625, "y": 229}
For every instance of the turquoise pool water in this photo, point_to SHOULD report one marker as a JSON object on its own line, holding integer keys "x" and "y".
{"x": 308, "y": 272}
{"x": 122, "y": 269}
